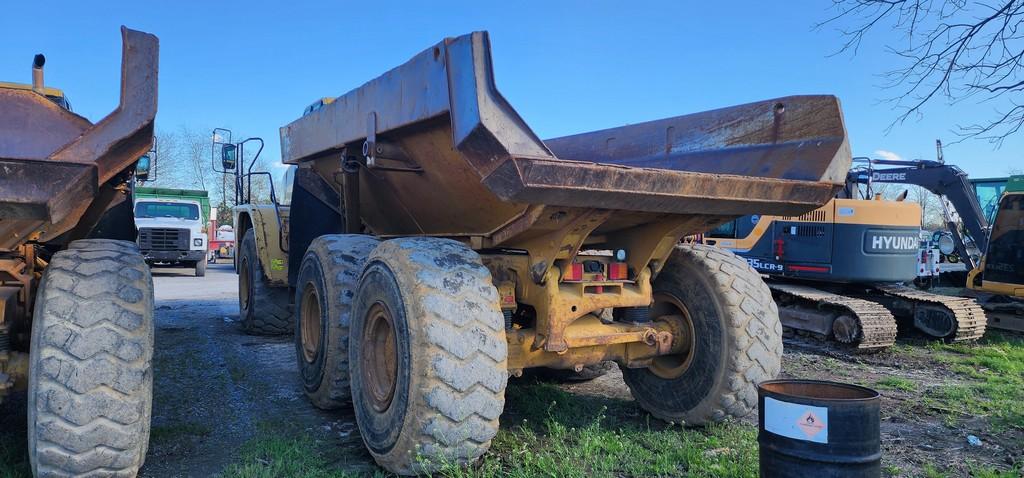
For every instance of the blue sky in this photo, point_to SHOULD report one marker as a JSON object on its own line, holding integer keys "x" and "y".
{"x": 566, "y": 66}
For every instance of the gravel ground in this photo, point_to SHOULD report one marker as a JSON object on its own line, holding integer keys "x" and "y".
{"x": 216, "y": 388}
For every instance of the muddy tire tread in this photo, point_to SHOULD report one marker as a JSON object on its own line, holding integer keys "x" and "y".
{"x": 271, "y": 309}
{"x": 456, "y": 408}
{"x": 341, "y": 258}
{"x": 755, "y": 338}
{"x": 90, "y": 393}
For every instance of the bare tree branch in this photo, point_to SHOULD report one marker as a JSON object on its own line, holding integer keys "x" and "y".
{"x": 183, "y": 161}
{"x": 952, "y": 50}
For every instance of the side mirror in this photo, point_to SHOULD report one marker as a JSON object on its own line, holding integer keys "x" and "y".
{"x": 228, "y": 157}
{"x": 142, "y": 167}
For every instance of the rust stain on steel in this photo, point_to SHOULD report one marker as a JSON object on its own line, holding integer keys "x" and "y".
{"x": 117, "y": 141}
{"x": 33, "y": 127}
{"x": 592, "y": 341}
{"x": 485, "y": 173}
{"x": 750, "y": 140}
{"x": 54, "y": 162}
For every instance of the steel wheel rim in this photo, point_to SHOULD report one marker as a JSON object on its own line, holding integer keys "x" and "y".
{"x": 668, "y": 308}
{"x": 311, "y": 323}
{"x": 379, "y": 356}
{"x": 243, "y": 283}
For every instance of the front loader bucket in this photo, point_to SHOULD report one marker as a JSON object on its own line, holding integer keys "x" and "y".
{"x": 466, "y": 164}
{"x": 55, "y": 162}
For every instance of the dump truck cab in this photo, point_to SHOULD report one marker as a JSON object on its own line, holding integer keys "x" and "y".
{"x": 316, "y": 105}
{"x": 55, "y": 95}
{"x": 172, "y": 230}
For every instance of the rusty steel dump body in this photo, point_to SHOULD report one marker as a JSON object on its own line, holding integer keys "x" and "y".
{"x": 454, "y": 159}
{"x": 57, "y": 166}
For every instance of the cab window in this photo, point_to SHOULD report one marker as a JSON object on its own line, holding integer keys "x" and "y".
{"x": 988, "y": 193}
{"x": 149, "y": 209}
{"x": 1004, "y": 260}
{"x": 725, "y": 231}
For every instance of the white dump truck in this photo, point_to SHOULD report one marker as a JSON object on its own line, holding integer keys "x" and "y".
{"x": 171, "y": 227}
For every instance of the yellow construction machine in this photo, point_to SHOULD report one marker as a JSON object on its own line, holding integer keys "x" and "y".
{"x": 838, "y": 272}
{"x": 432, "y": 245}
{"x": 76, "y": 296}
{"x": 999, "y": 279}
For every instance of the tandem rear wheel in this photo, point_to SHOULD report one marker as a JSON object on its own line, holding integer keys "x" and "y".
{"x": 410, "y": 333}
{"x": 325, "y": 289}
{"x": 427, "y": 355}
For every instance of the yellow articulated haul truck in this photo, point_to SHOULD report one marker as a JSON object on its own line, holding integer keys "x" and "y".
{"x": 433, "y": 245}
{"x": 76, "y": 297}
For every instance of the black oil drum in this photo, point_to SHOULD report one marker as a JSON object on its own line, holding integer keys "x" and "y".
{"x": 811, "y": 428}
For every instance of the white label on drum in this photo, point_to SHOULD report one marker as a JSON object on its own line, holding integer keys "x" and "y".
{"x": 797, "y": 421}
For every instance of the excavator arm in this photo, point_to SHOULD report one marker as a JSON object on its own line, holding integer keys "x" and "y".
{"x": 941, "y": 179}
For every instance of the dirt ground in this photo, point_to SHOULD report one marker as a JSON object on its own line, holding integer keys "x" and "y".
{"x": 216, "y": 389}
{"x": 919, "y": 436}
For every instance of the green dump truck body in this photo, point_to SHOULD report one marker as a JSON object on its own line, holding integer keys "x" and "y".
{"x": 172, "y": 193}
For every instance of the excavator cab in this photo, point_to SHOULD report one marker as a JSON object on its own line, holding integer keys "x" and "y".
{"x": 1002, "y": 271}
{"x": 999, "y": 280}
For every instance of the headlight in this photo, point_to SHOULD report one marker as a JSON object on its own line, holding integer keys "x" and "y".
{"x": 197, "y": 241}
{"x": 946, "y": 245}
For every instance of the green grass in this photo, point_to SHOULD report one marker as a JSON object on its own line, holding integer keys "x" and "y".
{"x": 548, "y": 432}
{"x": 545, "y": 432}
{"x": 993, "y": 370}
{"x": 896, "y": 383}
{"x": 932, "y": 471}
{"x": 986, "y": 472}
{"x": 278, "y": 450}
{"x": 171, "y": 432}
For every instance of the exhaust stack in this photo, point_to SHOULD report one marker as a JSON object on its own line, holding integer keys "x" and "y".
{"x": 37, "y": 73}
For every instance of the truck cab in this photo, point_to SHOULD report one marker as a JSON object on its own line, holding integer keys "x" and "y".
{"x": 171, "y": 232}
{"x": 55, "y": 95}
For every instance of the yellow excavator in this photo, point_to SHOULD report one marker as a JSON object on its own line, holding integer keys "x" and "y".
{"x": 999, "y": 279}
{"x": 838, "y": 272}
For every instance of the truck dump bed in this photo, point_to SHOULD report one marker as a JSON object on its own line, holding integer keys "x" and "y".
{"x": 448, "y": 156}
{"x": 56, "y": 164}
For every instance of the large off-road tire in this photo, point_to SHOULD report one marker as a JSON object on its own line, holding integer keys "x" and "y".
{"x": 201, "y": 268}
{"x": 427, "y": 355}
{"x": 326, "y": 285}
{"x": 90, "y": 377}
{"x": 264, "y": 310}
{"x": 736, "y": 339}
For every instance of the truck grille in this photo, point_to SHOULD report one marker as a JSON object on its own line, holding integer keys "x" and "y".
{"x": 163, "y": 239}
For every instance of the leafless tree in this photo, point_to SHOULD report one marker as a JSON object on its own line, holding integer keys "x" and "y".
{"x": 952, "y": 50}
{"x": 185, "y": 160}
{"x": 932, "y": 215}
